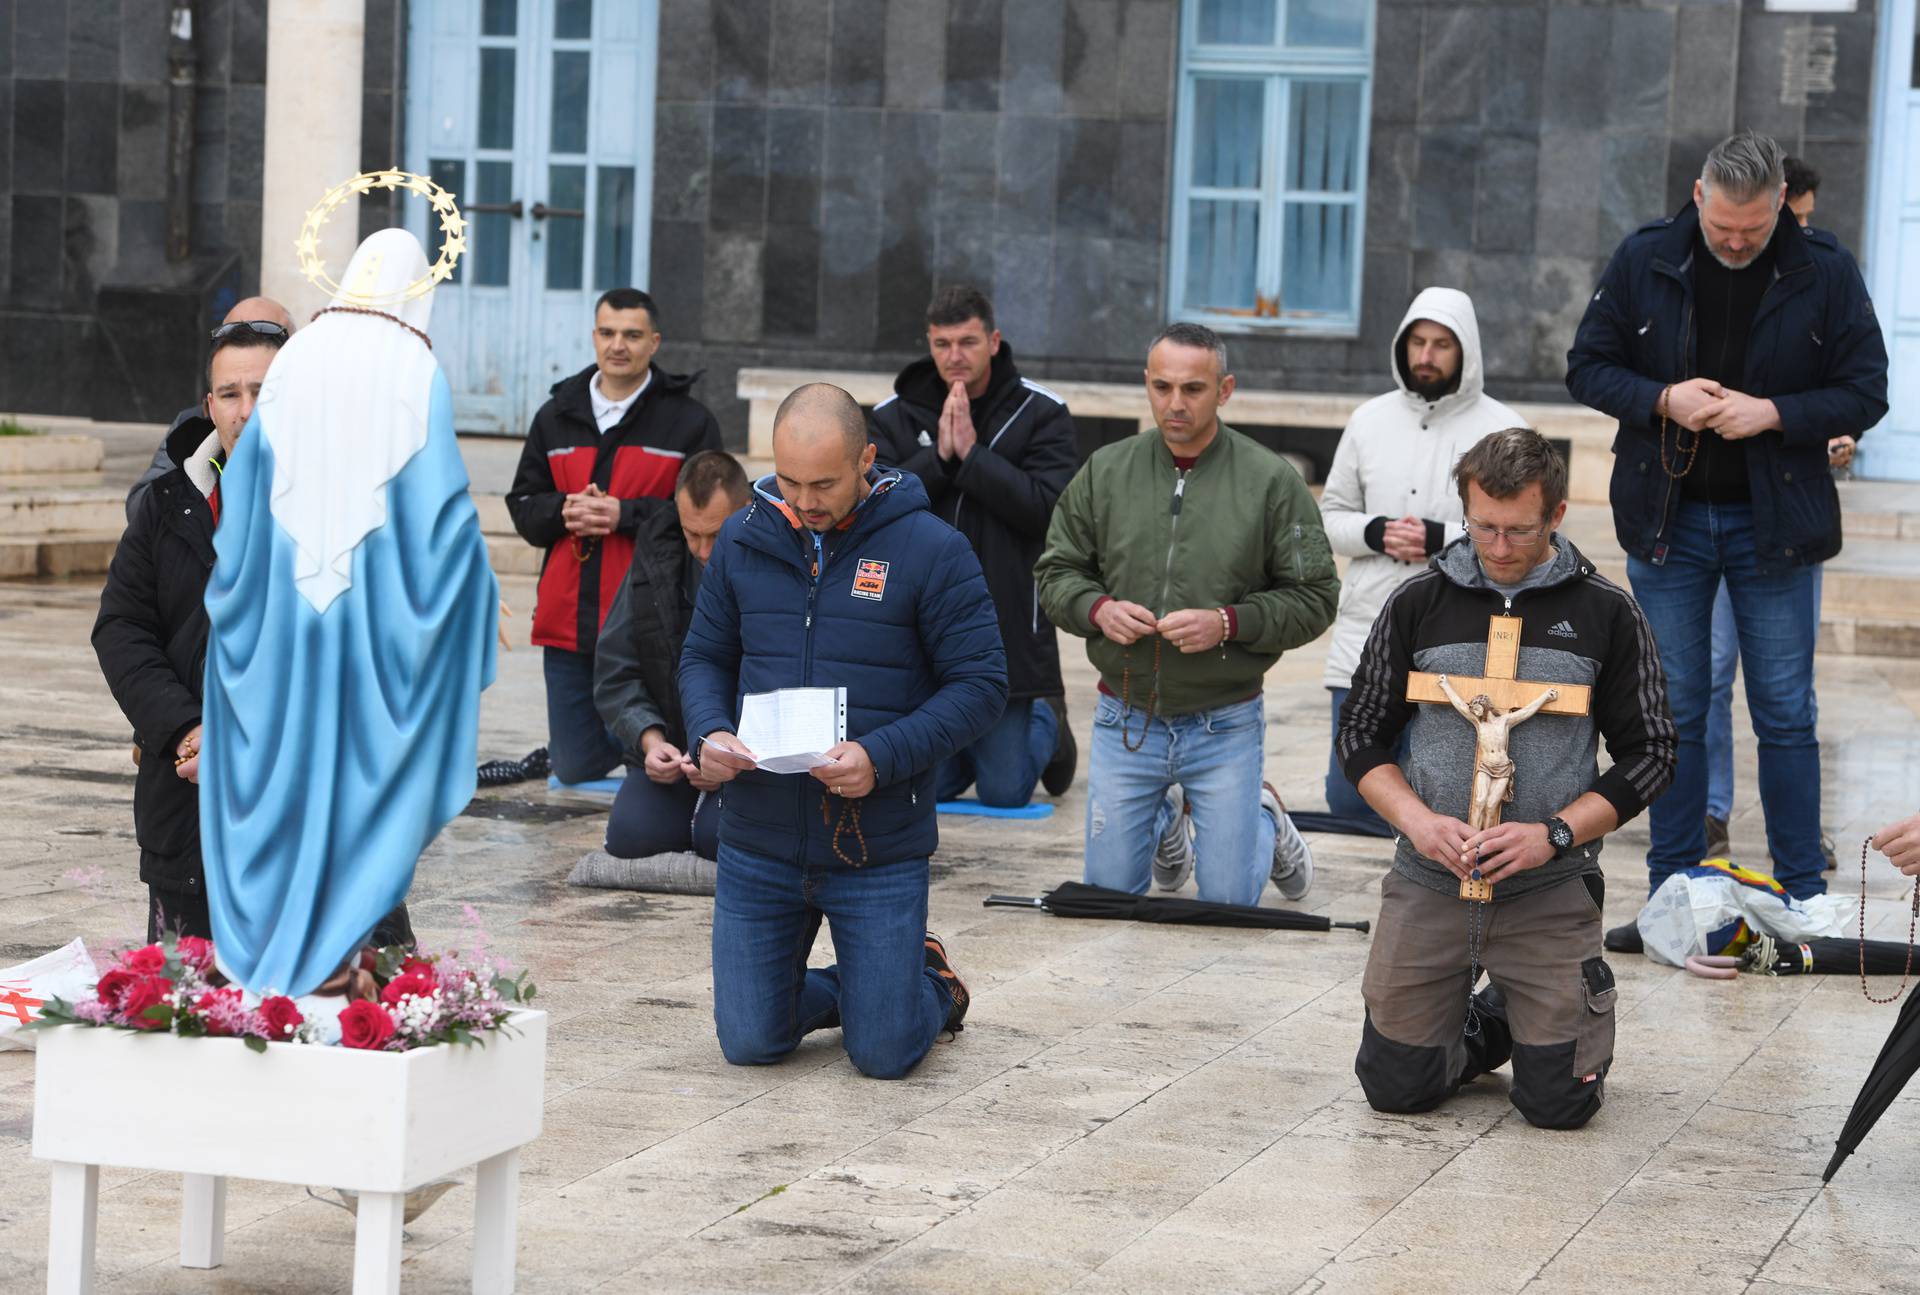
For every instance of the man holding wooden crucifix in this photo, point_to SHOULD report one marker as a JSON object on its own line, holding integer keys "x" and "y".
{"x": 1525, "y": 659}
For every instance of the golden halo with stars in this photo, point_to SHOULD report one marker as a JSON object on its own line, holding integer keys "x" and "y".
{"x": 453, "y": 232}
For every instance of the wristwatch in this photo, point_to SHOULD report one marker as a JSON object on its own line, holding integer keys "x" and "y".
{"x": 1559, "y": 835}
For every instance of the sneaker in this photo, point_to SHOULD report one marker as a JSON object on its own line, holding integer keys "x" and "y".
{"x": 1058, "y": 775}
{"x": 937, "y": 962}
{"x": 1624, "y": 939}
{"x": 1718, "y": 844}
{"x": 1173, "y": 856}
{"x": 1292, "y": 861}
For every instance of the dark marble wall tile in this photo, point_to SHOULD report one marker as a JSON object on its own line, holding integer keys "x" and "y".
{"x": 854, "y": 177}
{"x": 1850, "y": 104}
{"x": 1516, "y": 67}
{"x": 1035, "y": 34}
{"x": 1090, "y": 58}
{"x": 1573, "y": 93}
{"x": 916, "y": 47}
{"x": 40, "y": 39}
{"x": 6, "y": 253}
{"x": 1082, "y": 301}
{"x": 213, "y": 39}
{"x": 92, "y": 142}
{"x": 385, "y": 41}
{"x": 6, "y": 150}
{"x": 908, "y": 234}
{"x": 973, "y": 55}
{"x": 39, "y": 127}
{"x": 143, "y": 233}
{"x": 1562, "y": 286}
{"x": 964, "y": 255}
{"x": 1505, "y": 185}
{"x": 1757, "y": 101}
{"x": 797, "y": 72}
{"x": 1136, "y": 273}
{"x": 1639, "y": 69}
{"x": 1089, "y": 156}
{"x": 682, "y": 158}
{"x": 247, "y": 139}
{"x": 735, "y": 287}
{"x": 686, "y": 50}
{"x": 796, "y": 159}
{"x": 1027, "y": 160}
{"x": 92, "y": 245}
{"x": 1149, "y": 45}
{"x": 93, "y": 40}
{"x": 857, "y": 72}
{"x": 243, "y": 234}
{"x": 1023, "y": 291}
{"x": 1141, "y": 171}
{"x": 742, "y": 50}
{"x": 1502, "y": 291}
{"x": 1393, "y": 164}
{"x": 849, "y": 275}
{"x": 1566, "y": 208}
{"x": 1453, "y": 65}
{"x": 1398, "y": 42}
{"x": 39, "y": 225}
{"x": 6, "y": 70}
{"x": 1443, "y": 200}
{"x": 377, "y": 128}
{"x": 1685, "y": 154}
{"x": 209, "y": 229}
{"x": 143, "y": 40}
{"x": 965, "y": 174}
{"x": 1635, "y": 192}
{"x": 791, "y": 293}
{"x": 1841, "y": 203}
{"x": 739, "y": 198}
{"x": 1703, "y": 40}
{"x": 210, "y": 145}
{"x": 1386, "y": 289}
{"x": 247, "y": 41}
{"x": 676, "y": 275}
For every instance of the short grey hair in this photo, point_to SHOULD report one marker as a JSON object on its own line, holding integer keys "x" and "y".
{"x": 1745, "y": 166}
{"x": 1198, "y": 336}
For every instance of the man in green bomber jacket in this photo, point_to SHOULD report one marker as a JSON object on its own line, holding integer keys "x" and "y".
{"x": 1190, "y": 561}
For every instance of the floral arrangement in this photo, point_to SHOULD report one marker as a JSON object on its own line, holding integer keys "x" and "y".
{"x": 400, "y": 1000}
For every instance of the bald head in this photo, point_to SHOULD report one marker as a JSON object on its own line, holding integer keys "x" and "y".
{"x": 821, "y": 409}
{"x": 260, "y": 310}
{"x": 821, "y": 454}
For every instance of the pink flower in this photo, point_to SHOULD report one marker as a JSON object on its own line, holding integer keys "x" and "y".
{"x": 196, "y": 953}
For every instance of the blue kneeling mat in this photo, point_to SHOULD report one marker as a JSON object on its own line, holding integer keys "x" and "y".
{"x": 596, "y": 786}
{"x": 968, "y": 805}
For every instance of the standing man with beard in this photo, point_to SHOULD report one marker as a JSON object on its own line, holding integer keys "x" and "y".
{"x": 613, "y": 434}
{"x": 994, "y": 451}
{"x": 1389, "y": 501}
{"x": 1733, "y": 346}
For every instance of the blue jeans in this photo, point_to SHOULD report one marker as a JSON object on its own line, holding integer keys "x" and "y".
{"x": 1343, "y": 798}
{"x": 1005, "y": 762}
{"x": 889, "y": 1005}
{"x": 1776, "y": 623}
{"x": 1216, "y": 756}
{"x": 1726, "y": 663}
{"x": 577, "y": 739}
{"x": 653, "y": 818}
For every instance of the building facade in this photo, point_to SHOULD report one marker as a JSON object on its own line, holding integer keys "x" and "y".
{"x": 793, "y": 178}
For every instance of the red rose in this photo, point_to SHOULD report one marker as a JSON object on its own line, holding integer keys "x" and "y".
{"x": 365, "y": 1025}
{"x": 147, "y": 991}
{"x": 281, "y": 1016}
{"x": 196, "y": 952}
{"x": 112, "y": 987}
{"x": 150, "y": 961}
{"x": 207, "y": 1006}
{"x": 421, "y": 966}
{"x": 420, "y": 984}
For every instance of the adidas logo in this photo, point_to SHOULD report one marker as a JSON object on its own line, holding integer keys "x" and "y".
{"x": 1563, "y": 630}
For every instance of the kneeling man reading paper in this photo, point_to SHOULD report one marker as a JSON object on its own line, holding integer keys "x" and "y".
{"x": 835, "y": 578}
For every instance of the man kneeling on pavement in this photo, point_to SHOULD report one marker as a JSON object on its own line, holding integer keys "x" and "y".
{"x": 1549, "y": 1005}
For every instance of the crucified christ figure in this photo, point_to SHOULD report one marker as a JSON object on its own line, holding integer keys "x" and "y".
{"x": 1492, "y": 767}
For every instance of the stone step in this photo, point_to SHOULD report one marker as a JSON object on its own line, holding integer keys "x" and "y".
{"x": 69, "y": 553}
{"x": 35, "y": 511}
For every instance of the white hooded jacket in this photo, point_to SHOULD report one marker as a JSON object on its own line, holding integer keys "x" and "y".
{"x": 1396, "y": 459}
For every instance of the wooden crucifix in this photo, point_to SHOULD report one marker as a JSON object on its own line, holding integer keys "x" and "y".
{"x": 1493, "y": 703}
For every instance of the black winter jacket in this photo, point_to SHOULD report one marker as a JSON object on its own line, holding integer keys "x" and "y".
{"x": 151, "y": 638}
{"x": 633, "y": 667}
{"x": 636, "y": 459}
{"x": 1000, "y": 497}
{"x": 1815, "y": 351}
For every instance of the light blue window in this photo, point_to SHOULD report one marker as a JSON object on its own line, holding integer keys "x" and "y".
{"x": 1270, "y": 164}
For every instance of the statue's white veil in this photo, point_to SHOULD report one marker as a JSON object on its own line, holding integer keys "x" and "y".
{"x": 344, "y": 407}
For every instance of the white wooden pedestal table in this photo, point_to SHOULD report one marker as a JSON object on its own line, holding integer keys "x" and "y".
{"x": 378, "y": 1123}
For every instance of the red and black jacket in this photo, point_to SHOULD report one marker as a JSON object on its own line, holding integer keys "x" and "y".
{"x": 638, "y": 458}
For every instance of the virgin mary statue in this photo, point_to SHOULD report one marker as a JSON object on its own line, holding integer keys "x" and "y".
{"x": 353, "y": 617}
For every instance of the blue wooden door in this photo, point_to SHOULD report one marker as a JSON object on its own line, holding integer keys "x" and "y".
{"x": 538, "y": 116}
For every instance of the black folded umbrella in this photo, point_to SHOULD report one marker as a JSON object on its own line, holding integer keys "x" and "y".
{"x": 1899, "y": 1058}
{"x": 1077, "y": 899}
{"x": 1839, "y": 957}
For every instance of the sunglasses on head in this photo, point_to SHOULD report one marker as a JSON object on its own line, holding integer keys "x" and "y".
{"x": 264, "y": 327}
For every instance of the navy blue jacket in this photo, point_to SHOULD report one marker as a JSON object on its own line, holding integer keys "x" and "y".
{"x": 917, "y": 647}
{"x": 1815, "y": 351}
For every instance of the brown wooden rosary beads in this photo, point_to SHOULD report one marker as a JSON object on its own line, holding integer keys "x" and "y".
{"x": 1913, "y": 927}
{"x": 1126, "y": 695}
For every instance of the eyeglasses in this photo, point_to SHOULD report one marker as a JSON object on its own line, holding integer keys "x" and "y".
{"x": 1484, "y": 534}
{"x": 264, "y": 327}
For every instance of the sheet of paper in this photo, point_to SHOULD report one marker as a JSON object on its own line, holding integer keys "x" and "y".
{"x": 790, "y": 730}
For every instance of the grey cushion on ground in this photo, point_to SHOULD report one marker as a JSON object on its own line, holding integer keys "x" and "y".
{"x": 680, "y": 872}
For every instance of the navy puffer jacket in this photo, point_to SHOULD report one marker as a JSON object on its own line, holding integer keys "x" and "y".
{"x": 916, "y": 646}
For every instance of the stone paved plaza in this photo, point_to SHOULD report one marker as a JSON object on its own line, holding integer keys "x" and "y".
{"x": 1128, "y": 1109}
